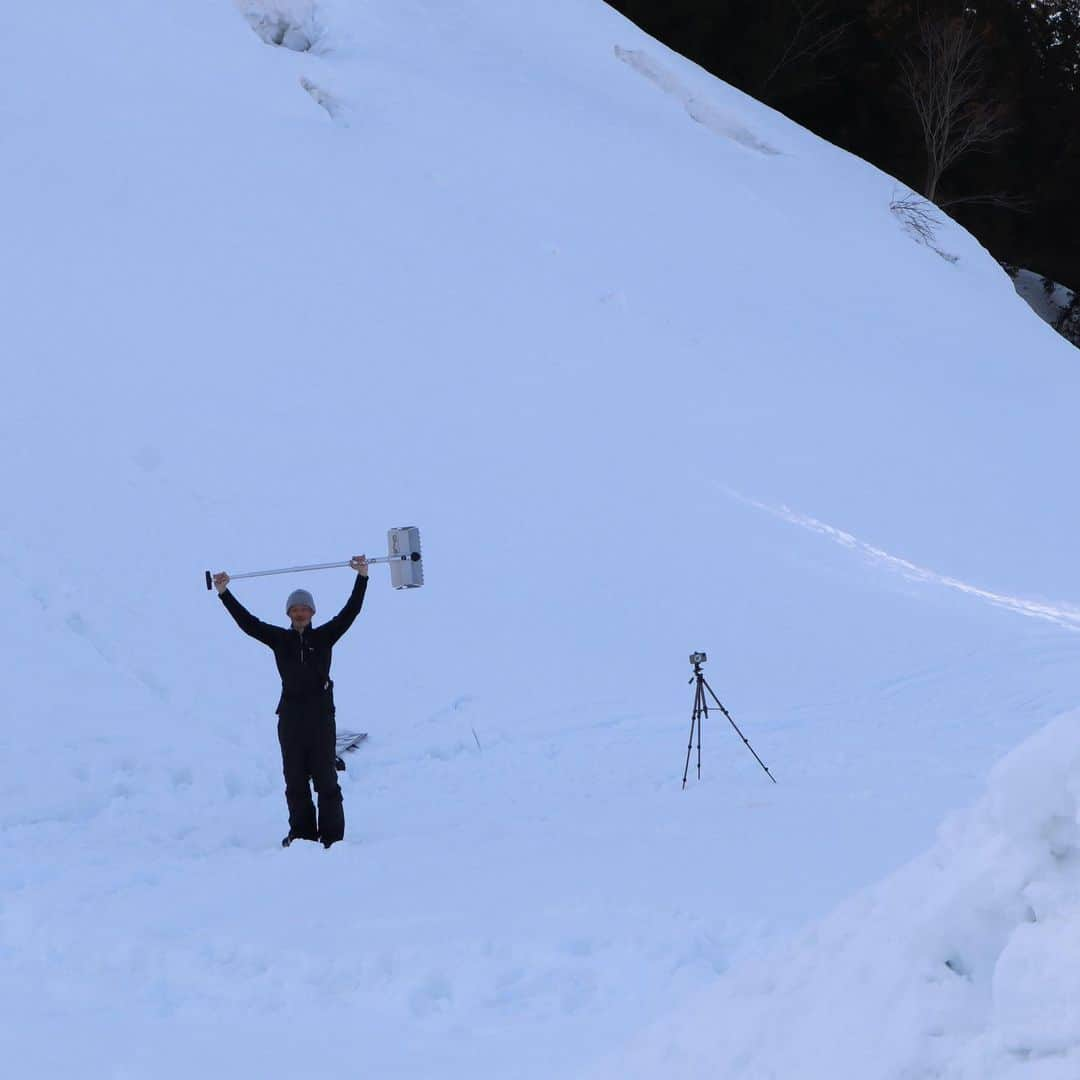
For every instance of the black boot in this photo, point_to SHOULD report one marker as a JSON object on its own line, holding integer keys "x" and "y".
{"x": 293, "y": 836}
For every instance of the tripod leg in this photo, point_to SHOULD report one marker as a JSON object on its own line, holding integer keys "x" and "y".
{"x": 738, "y": 731}
{"x": 703, "y": 710}
{"x": 690, "y": 744}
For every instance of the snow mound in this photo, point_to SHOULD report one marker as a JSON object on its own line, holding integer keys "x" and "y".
{"x": 1048, "y": 299}
{"x": 296, "y": 26}
{"x": 960, "y": 966}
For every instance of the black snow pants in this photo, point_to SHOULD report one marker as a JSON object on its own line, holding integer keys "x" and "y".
{"x": 308, "y": 737}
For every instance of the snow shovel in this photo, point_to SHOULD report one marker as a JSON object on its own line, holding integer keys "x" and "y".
{"x": 406, "y": 567}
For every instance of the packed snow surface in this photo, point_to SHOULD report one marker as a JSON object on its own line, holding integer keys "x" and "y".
{"x": 961, "y": 966}
{"x": 278, "y": 278}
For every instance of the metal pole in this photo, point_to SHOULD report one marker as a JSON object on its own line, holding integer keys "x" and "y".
{"x": 414, "y": 557}
{"x": 287, "y": 570}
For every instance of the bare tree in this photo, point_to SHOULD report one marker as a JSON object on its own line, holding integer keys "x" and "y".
{"x": 943, "y": 77}
{"x": 919, "y": 221}
{"x": 806, "y": 36}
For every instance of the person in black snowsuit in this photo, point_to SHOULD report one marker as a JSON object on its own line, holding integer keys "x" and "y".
{"x": 306, "y": 728}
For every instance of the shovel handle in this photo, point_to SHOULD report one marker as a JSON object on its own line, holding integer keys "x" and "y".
{"x": 413, "y": 557}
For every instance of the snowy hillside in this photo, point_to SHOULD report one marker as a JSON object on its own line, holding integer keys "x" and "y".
{"x": 960, "y": 966}
{"x": 1052, "y": 302}
{"x": 518, "y": 275}
{"x": 1047, "y": 299}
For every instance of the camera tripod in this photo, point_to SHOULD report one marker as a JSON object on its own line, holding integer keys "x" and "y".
{"x": 701, "y": 708}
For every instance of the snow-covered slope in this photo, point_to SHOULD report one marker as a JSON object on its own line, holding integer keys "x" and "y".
{"x": 960, "y": 966}
{"x": 1047, "y": 300}
{"x": 518, "y": 275}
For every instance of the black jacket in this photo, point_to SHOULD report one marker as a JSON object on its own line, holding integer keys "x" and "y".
{"x": 303, "y": 659}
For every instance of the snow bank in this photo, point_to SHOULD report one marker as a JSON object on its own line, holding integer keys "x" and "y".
{"x": 960, "y": 966}
{"x": 1048, "y": 299}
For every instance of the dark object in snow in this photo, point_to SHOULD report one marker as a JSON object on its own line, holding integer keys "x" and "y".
{"x": 290, "y": 837}
{"x": 701, "y": 709}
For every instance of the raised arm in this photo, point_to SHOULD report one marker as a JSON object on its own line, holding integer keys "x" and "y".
{"x": 247, "y": 622}
{"x": 341, "y": 622}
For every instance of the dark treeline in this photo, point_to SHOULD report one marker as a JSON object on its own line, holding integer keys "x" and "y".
{"x": 975, "y": 105}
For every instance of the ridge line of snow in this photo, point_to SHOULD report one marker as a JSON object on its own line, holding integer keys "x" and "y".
{"x": 1062, "y": 615}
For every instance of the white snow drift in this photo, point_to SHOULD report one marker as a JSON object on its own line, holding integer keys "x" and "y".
{"x": 960, "y": 966}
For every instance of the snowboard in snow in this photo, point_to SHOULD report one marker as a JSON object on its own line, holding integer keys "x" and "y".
{"x": 349, "y": 740}
{"x": 346, "y": 741}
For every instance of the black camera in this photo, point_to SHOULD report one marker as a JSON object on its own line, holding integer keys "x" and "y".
{"x": 698, "y": 658}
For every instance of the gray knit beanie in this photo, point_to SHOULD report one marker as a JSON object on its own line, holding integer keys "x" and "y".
{"x": 299, "y": 596}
